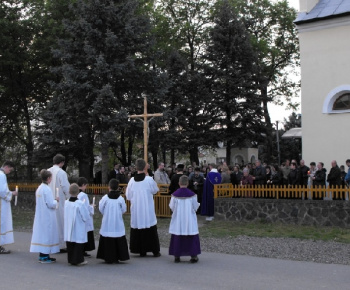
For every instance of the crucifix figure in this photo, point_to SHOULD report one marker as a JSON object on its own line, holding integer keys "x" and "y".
{"x": 144, "y": 118}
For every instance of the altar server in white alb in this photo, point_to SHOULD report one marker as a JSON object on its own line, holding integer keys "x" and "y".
{"x": 6, "y": 229}
{"x": 75, "y": 217}
{"x": 143, "y": 222}
{"x": 60, "y": 182}
{"x": 113, "y": 246}
{"x": 183, "y": 226}
{"x": 45, "y": 233}
{"x": 90, "y": 244}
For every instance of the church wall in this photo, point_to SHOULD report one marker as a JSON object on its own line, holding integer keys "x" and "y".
{"x": 325, "y": 65}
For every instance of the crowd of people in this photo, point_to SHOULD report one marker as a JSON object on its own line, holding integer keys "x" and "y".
{"x": 63, "y": 221}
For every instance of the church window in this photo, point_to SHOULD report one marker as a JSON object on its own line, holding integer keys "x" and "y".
{"x": 342, "y": 102}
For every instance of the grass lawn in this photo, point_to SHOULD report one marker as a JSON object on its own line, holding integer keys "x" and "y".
{"x": 23, "y": 221}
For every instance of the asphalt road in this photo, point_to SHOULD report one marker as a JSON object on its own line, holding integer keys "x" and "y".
{"x": 21, "y": 270}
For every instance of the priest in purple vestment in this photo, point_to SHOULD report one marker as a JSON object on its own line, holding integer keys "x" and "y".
{"x": 213, "y": 177}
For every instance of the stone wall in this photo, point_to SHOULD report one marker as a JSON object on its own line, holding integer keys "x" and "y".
{"x": 302, "y": 212}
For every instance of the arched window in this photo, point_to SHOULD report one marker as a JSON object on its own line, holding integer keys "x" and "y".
{"x": 337, "y": 101}
{"x": 342, "y": 102}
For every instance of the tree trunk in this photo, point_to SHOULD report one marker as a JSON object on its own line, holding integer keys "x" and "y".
{"x": 172, "y": 156}
{"x": 194, "y": 155}
{"x": 130, "y": 147}
{"x": 269, "y": 137}
{"x": 104, "y": 161}
{"x": 122, "y": 146}
{"x": 228, "y": 152}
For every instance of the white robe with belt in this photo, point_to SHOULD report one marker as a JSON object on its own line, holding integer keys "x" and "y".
{"x": 45, "y": 232}
{"x": 60, "y": 181}
{"x": 140, "y": 195}
{"x": 6, "y": 229}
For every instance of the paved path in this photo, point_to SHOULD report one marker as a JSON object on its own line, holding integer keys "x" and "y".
{"x": 20, "y": 270}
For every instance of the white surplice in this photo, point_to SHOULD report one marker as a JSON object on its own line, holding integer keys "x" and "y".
{"x": 45, "y": 232}
{"x": 90, "y": 222}
{"x": 60, "y": 181}
{"x": 184, "y": 219}
{"x": 75, "y": 217}
{"x": 6, "y": 229}
{"x": 112, "y": 221}
{"x": 140, "y": 194}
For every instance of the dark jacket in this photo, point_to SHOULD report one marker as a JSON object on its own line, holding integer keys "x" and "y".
{"x": 334, "y": 176}
{"x": 277, "y": 178}
{"x": 236, "y": 177}
{"x": 293, "y": 177}
{"x": 304, "y": 177}
{"x": 320, "y": 178}
{"x": 260, "y": 175}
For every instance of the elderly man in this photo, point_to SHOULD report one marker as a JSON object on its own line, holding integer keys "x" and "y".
{"x": 259, "y": 174}
{"x": 160, "y": 176}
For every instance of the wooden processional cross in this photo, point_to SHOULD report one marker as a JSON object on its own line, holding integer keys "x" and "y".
{"x": 144, "y": 118}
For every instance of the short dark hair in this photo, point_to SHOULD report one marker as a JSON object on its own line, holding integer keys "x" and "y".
{"x": 58, "y": 159}
{"x": 8, "y": 164}
{"x": 347, "y": 161}
{"x": 312, "y": 163}
{"x": 140, "y": 164}
{"x": 45, "y": 175}
{"x": 113, "y": 184}
{"x": 82, "y": 181}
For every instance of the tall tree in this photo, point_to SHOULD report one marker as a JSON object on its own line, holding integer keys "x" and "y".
{"x": 232, "y": 70}
{"x": 275, "y": 38}
{"x": 22, "y": 77}
{"x": 105, "y": 67}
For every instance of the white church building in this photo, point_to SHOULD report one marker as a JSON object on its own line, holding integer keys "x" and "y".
{"x": 324, "y": 35}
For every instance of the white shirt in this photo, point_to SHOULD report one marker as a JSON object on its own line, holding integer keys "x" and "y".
{"x": 140, "y": 194}
{"x": 90, "y": 221}
{"x": 112, "y": 221}
{"x": 184, "y": 219}
{"x": 75, "y": 217}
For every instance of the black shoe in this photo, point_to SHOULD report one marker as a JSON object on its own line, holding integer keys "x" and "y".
{"x": 177, "y": 260}
{"x": 143, "y": 254}
{"x": 4, "y": 251}
{"x": 63, "y": 251}
{"x": 157, "y": 255}
{"x": 87, "y": 255}
{"x": 194, "y": 259}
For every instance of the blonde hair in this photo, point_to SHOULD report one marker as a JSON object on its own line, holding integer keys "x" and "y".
{"x": 74, "y": 189}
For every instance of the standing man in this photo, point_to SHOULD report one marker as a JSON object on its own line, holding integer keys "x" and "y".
{"x": 304, "y": 175}
{"x": 143, "y": 222}
{"x": 160, "y": 176}
{"x": 213, "y": 177}
{"x": 114, "y": 172}
{"x": 347, "y": 176}
{"x": 6, "y": 229}
{"x": 259, "y": 174}
{"x": 61, "y": 184}
{"x": 174, "y": 184}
